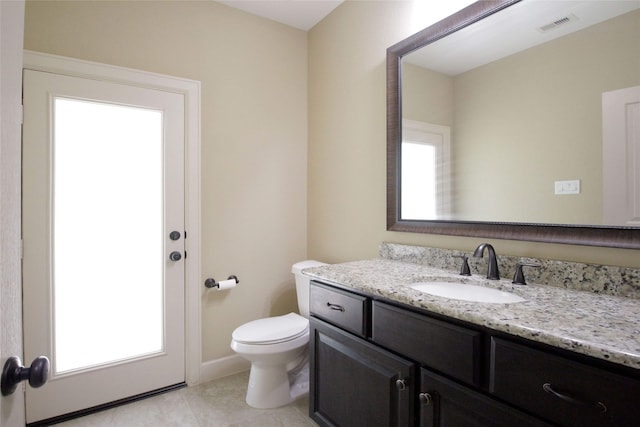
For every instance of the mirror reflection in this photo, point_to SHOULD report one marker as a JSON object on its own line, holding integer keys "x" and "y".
{"x": 517, "y": 118}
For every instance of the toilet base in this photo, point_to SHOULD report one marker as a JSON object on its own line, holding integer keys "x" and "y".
{"x": 270, "y": 387}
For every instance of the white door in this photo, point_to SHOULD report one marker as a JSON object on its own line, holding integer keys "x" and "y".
{"x": 11, "y": 35}
{"x": 103, "y": 231}
{"x": 621, "y": 156}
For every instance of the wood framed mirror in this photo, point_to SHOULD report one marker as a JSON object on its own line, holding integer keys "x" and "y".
{"x": 475, "y": 207}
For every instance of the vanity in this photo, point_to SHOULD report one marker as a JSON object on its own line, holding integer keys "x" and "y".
{"x": 385, "y": 354}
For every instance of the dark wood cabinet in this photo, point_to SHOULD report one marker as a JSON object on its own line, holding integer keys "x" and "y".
{"x": 380, "y": 363}
{"x": 354, "y": 383}
{"x": 444, "y": 347}
{"x": 445, "y": 403}
{"x": 346, "y": 310}
{"x": 563, "y": 391}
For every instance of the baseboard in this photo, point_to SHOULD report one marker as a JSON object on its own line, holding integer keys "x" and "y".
{"x": 223, "y": 367}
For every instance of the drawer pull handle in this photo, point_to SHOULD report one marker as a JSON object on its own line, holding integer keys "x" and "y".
{"x": 575, "y": 401}
{"x": 425, "y": 398}
{"x": 401, "y": 384}
{"x": 335, "y": 307}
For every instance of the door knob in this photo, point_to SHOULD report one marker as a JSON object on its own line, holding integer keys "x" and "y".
{"x": 13, "y": 373}
{"x": 175, "y": 256}
{"x": 174, "y": 235}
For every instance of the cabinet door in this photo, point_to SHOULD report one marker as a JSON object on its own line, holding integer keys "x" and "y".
{"x": 444, "y": 403}
{"x": 354, "y": 383}
{"x": 561, "y": 390}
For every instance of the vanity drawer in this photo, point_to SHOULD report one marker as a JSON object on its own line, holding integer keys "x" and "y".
{"x": 344, "y": 309}
{"x": 441, "y": 346}
{"x": 563, "y": 391}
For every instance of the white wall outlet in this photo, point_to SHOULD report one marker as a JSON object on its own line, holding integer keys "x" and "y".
{"x": 567, "y": 187}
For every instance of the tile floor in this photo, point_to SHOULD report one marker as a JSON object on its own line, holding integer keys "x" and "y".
{"x": 218, "y": 403}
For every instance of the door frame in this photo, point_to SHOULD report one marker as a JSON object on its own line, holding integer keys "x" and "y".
{"x": 191, "y": 90}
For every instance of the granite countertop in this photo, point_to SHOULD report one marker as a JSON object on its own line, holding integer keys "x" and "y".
{"x": 602, "y": 326}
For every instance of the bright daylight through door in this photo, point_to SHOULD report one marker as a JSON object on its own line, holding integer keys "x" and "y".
{"x": 107, "y": 233}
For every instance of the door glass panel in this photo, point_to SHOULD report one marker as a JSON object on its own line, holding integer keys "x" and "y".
{"x": 107, "y": 233}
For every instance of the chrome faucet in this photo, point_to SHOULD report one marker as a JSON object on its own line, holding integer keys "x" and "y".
{"x": 492, "y": 270}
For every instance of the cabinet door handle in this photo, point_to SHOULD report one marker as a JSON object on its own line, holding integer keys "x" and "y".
{"x": 335, "y": 307}
{"x": 401, "y": 384}
{"x": 425, "y": 398}
{"x": 547, "y": 387}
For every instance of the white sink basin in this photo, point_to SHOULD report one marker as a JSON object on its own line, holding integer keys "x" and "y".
{"x": 465, "y": 292}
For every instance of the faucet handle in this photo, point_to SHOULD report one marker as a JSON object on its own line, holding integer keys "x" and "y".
{"x": 464, "y": 269}
{"x": 518, "y": 277}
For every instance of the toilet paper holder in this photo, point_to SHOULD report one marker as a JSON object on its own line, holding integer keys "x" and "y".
{"x": 212, "y": 283}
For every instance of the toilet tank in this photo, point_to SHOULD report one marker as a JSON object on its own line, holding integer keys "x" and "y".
{"x": 302, "y": 284}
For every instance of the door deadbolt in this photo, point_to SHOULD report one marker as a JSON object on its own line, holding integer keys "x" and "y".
{"x": 174, "y": 235}
{"x": 175, "y": 256}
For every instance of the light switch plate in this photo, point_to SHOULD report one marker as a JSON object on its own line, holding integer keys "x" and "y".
{"x": 567, "y": 187}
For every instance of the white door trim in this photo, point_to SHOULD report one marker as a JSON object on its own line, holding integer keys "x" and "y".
{"x": 191, "y": 91}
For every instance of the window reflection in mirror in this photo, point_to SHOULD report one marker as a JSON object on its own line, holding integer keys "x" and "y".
{"x": 425, "y": 178}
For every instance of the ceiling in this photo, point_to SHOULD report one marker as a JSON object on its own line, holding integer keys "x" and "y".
{"x": 301, "y": 14}
{"x": 521, "y": 26}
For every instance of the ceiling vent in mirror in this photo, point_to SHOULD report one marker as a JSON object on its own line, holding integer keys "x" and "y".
{"x": 558, "y": 23}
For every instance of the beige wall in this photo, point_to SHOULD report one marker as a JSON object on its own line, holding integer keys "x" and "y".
{"x": 347, "y": 144}
{"x": 347, "y": 128}
{"x": 427, "y": 96}
{"x": 254, "y": 132}
{"x": 536, "y": 117}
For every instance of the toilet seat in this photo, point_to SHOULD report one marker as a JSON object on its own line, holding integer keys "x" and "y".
{"x": 272, "y": 330}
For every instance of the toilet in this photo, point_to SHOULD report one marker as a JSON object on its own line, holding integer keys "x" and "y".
{"x": 277, "y": 348}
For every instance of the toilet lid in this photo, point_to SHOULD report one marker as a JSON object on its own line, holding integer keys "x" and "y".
{"x": 272, "y": 330}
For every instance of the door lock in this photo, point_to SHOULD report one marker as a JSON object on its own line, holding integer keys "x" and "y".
{"x": 175, "y": 256}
